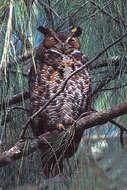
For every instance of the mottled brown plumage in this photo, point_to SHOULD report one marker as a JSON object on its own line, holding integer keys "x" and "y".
{"x": 56, "y": 58}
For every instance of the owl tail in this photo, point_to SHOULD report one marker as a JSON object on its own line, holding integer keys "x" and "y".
{"x": 53, "y": 167}
{"x": 53, "y": 158}
{"x": 73, "y": 145}
{"x": 52, "y": 164}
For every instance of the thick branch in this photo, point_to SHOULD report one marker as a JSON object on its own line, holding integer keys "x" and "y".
{"x": 15, "y": 99}
{"x": 20, "y": 149}
{"x": 101, "y": 117}
{"x": 87, "y": 122}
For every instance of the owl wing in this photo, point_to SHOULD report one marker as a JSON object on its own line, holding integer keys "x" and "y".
{"x": 85, "y": 82}
{"x": 74, "y": 100}
{"x": 86, "y": 107}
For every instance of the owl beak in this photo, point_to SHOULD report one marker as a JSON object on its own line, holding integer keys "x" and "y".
{"x": 63, "y": 47}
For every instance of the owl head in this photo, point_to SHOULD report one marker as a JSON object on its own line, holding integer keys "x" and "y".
{"x": 62, "y": 42}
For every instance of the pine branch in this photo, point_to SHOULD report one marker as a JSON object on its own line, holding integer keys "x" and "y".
{"x": 51, "y": 9}
{"x": 99, "y": 118}
{"x": 14, "y": 100}
{"x": 20, "y": 59}
{"x": 107, "y": 13}
{"x": 102, "y": 117}
{"x": 96, "y": 64}
{"x": 115, "y": 88}
{"x": 103, "y": 63}
{"x": 51, "y": 16}
{"x": 77, "y": 10}
{"x": 71, "y": 15}
{"x": 18, "y": 97}
{"x": 104, "y": 82}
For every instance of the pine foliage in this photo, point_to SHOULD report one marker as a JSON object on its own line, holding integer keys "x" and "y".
{"x": 100, "y": 162}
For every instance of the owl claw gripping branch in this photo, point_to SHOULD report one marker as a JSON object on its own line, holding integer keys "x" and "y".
{"x": 56, "y": 58}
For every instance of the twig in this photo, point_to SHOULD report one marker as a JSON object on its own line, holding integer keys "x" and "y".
{"x": 51, "y": 16}
{"x": 71, "y": 16}
{"x": 87, "y": 122}
{"x": 15, "y": 99}
{"x": 104, "y": 82}
{"x": 76, "y": 11}
{"x": 18, "y": 98}
{"x": 20, "y": 59}
{"x": 102, "y": 63}
{"x": 108, "y": 14}
{"x": 6, "y": 117}
{"x": 18, "y": 108}
{"x": 122, "y": 129}
{"x": 65, "y": 82}
{"x": 115, "y": 88}
{"x": 47, "y": 6}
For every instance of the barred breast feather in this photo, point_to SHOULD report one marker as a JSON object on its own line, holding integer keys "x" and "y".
{"x": 69, "y": 104}
{"x": 45, "y": 79}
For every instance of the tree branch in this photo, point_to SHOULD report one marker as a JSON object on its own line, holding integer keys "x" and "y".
{"x": 21, "y": 58}
{"x": 71, "y": 15}
{"x": 104, "y": 82}
{"x": 18, "y": 97}
{"x": 51, "y": 9}
{"x": 87, "y": 122}
{"x": 102, "y": 117}
{"x": 15, "y": 99}
{"x": 103, "y": 63}
{"x": 77, "y": 10}
{"x": 115, "y": 88}
{"x": 108, "y": 14}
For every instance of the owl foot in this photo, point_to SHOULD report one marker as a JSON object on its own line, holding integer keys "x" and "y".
{"x": 61, "y": 127}
{"x": 84, "y": 115}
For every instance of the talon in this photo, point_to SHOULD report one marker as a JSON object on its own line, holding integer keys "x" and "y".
{"x": 61, "y": 127}
{"x": 86, "y": 113}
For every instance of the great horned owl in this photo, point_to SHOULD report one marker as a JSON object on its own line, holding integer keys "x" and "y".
{"x": 56, "y": 58}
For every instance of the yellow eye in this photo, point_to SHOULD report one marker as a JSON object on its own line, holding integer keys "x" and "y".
{"x": 52, "y": 39}
{"x": 72, "y": 40}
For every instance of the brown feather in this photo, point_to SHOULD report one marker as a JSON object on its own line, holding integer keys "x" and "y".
{"x": 54, "y": 65}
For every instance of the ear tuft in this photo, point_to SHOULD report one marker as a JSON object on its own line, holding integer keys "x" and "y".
{"x": 74, "y": 30}
{"x": 43, "y": 30}
{"x": 77, "y": 31}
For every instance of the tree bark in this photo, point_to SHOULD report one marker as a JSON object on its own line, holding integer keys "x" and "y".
{"x": 84, "y": 123}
